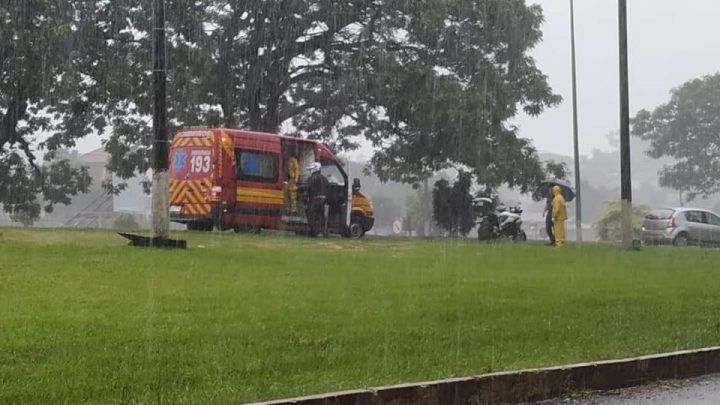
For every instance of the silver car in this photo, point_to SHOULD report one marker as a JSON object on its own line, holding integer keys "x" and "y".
{"x": 681, "y": 227}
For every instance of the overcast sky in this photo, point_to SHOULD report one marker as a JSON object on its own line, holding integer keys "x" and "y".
{"x": 670, "y": 42}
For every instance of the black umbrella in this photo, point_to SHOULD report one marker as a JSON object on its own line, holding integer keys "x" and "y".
{"x": 565, "y": 188}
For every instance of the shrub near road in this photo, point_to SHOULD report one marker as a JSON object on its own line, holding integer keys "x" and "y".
{"x": 86, "y": 319}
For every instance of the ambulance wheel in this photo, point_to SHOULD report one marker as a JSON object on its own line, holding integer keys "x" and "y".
{"x": 247, "y": 229}
{"x": 199, "y": 226}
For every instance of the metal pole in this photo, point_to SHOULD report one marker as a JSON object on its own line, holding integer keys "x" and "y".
{"x": 161, "y": 222}
{"x": 625, "y": 171}
{"x": 578, "y": 194}
{"x": 427, "y": 212}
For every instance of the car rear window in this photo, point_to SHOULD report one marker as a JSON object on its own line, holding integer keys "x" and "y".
{"x": 660, "y": 214}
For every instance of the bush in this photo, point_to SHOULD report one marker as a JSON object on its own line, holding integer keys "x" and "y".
{"x": 25, "y": 213}
{"x": 25, "y": 217}
{"x": 125, "y": 220}
{"x": 453, "y": 208}
{"x": 609, "y": 224}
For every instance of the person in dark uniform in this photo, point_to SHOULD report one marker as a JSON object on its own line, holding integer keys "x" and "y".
{"x": 317, "y": 191}
{"x": 549, "y": 218}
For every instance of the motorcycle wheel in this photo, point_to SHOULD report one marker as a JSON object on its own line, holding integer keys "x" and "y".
{"x": 485, "y": 232}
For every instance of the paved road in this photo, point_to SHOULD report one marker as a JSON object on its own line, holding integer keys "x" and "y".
{"x": 699, "y": 391}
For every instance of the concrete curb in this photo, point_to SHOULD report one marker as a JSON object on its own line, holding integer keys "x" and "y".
{"x": 529, "y": 385}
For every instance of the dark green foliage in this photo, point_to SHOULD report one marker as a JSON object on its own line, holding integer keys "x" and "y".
{"x": 608, "y": 225}
{"x": 25, "y": 214}
{"x": 23, "y": 189}
{"x": 44, "y": 87}
{"x": 462, "y": 73}
{"x": 687, "y": 129}
{"x": 126, "y": 221}
{"x": 428, "y": 94}
{"x": 430, "y": 84}
{"x": 453, "y": 208}
{"x": 419, "y": 213}
{"x": 553, "y": 170}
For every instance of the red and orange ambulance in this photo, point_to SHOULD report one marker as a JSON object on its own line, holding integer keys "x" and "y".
{"x": 228, "y": 178}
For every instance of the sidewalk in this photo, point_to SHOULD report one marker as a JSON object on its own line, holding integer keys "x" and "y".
{"x": 697, "y": 391}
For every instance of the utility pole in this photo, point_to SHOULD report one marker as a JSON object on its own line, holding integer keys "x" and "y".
{"x": 625, "y": 171}
{"x": 578, "y": 194}
{"x": 160, "y": 215}
{"x": 427, "y": 212}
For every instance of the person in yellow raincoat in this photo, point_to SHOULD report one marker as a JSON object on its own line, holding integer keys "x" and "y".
{"x": 293, "y": 178}
{"x": 559, "y": 216}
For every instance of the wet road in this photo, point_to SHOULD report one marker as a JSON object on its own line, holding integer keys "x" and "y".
{"x": 699, "y": 391}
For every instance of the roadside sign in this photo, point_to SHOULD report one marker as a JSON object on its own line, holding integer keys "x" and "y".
{"x": 397, "y": 226}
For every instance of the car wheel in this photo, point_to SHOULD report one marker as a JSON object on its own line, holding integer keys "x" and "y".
{"x": 681, "y": 240}
{"x": 355, "y": 229}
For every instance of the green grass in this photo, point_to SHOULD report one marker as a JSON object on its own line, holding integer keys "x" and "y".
{"x": 86, "y": 319}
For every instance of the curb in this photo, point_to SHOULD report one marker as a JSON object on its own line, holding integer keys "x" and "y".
{"x": 529, "y": 385}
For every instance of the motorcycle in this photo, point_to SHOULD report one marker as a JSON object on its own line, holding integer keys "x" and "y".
{"x": 501, "y": 222}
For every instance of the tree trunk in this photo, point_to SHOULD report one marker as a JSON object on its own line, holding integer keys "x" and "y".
{"x": 427, "y": 202}
{"x": 271, "y": 122}
{"x": 255, "y": 121}
{"x": 229, "y": 120}
{"x": 8, "y": 124}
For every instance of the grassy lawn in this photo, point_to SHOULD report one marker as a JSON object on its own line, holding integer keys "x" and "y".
{"x": 86, "y": 319}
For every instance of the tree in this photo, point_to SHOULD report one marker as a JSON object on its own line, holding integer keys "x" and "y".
{"x": 251, "y": 64}
{"x": 430, "y": 84}
{"x": 43, "y": 88}
{"x": 593, "y": 200}
{"x": 386, "y": 211}
{"x": 453, "y": 208}
{"x": 25, "y": 215}
{"x": 418, "y": 213}
{"x": 462, "y": 74}
{"x": 686, "y": 129}
{"x": 125, "y": 221}
{"x": 608, "y": 225}
{"x": 552, "y": 171}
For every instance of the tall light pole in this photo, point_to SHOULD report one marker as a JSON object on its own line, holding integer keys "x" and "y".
{"x": 160, "y": 215}
{"x": 578, "y": 194}
{"x": 625, "y": 172}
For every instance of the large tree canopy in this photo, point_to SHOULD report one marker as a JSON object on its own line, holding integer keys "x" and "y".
{"x": 42, "y": 89}
{"x": 462, "y": 73}
{"x": 430, "y": 84}
{"x": 687, "y": 129}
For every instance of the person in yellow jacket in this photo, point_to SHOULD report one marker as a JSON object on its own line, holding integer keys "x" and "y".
{"x": 293, "y": 178}
{"x": 559, "y": 216}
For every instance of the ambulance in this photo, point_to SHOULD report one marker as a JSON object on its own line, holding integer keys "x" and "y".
{"x": 235, "y": 179}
